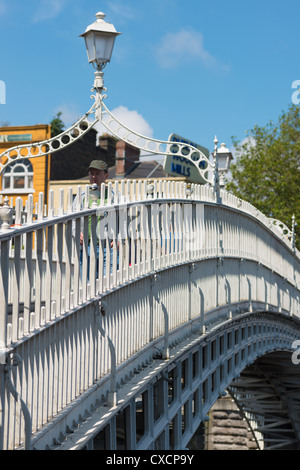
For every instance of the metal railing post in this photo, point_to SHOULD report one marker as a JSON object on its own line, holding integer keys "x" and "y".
{"x": 101, "y": 309}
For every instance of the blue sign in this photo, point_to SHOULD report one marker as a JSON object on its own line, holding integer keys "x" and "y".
{"x": 16, "y": 138}
{"x": 180, "y": 166}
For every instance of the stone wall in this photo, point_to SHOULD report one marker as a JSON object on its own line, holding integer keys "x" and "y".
{"x": 226, "y": 428}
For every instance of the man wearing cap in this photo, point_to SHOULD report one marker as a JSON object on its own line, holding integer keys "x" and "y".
{"x": 98, "y": 172}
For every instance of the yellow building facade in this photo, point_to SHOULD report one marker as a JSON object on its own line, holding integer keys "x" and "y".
{"x": 27, "y": 175}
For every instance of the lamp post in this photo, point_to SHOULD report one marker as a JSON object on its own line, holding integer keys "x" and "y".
{"x": 99, "y": 39}
{"x": 216, "y": 170}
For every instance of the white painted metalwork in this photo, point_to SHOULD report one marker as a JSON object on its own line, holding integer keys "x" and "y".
{"x": 100, "y": 113}
{"x": 15, "y": 361}
{"x": 179, "y": 392}
{"x": 158, "y": 147}
{"x": 179, "y": 267}
{"x": 50, "y": 146}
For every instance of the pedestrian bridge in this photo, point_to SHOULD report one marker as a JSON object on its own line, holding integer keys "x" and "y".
{"x": 175, "y": 297}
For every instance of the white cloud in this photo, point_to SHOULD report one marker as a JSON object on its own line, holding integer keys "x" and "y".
{"x": 247, "y": 142}
{"x": 3, "y": 7}
{"x": 134, "y": 121}
{"x": 48, "y": 9}
{"x": 184, "y": 46}
{"x": 131, "y": 119}
{"x": 122, "y": 10}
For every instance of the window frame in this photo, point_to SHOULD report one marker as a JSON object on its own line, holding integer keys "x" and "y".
{"x": 10, "y": 174}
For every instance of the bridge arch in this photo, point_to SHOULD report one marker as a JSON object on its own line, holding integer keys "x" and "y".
{"x": 267, "y": 393}
{"x": 164, "y": 404}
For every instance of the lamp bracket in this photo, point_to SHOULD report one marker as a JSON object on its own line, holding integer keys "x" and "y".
{"x": 150, "y": 145}
{"x": 100, "y": 113}
{"x": 50, "y": 146}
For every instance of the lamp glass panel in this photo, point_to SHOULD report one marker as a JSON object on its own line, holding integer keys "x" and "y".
{"x": 104, "y": 45}
{"x": 222, "y": 162}
{"x": 90, "y": 46}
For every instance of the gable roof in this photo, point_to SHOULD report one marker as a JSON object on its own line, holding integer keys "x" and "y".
{"x": 140, "y": 170}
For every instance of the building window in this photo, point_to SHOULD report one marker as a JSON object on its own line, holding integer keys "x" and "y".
{"x": 18, "y": 177}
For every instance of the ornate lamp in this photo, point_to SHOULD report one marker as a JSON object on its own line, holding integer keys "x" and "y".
{"x": 224, "y": 159}
{"x": 99, "y": 40}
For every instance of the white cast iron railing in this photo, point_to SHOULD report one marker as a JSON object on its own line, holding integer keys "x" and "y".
{"x": 66, "y": 327}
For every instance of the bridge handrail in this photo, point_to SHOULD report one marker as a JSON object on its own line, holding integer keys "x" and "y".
{"x": 172, "y": 207}
{"x": 138, "y": 190}
{"x": 147, "y": 228}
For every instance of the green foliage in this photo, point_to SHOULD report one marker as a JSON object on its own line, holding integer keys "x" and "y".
{"x": 57, "y": 125}
{"x": 267, "y": 168}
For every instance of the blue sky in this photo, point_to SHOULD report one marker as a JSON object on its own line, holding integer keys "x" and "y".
{"x": 191, "y": 67}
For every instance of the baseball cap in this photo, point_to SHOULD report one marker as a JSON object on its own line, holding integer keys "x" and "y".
{"x": 98, "y": 165}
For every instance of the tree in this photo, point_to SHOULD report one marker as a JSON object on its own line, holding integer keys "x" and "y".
{"x": 267, "y": 169}
{"x": 57, "y": 125}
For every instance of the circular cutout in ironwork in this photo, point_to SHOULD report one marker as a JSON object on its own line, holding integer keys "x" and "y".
{"x": 65, "y": 139}
{"x": 203, "y": 165}
{"x": 84, "y": 125}
{"x": 56, "y": 144}
{"x": 174, "y": 148}
{"x": 195, "y": 156}
{"x": 185, "y": 151}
